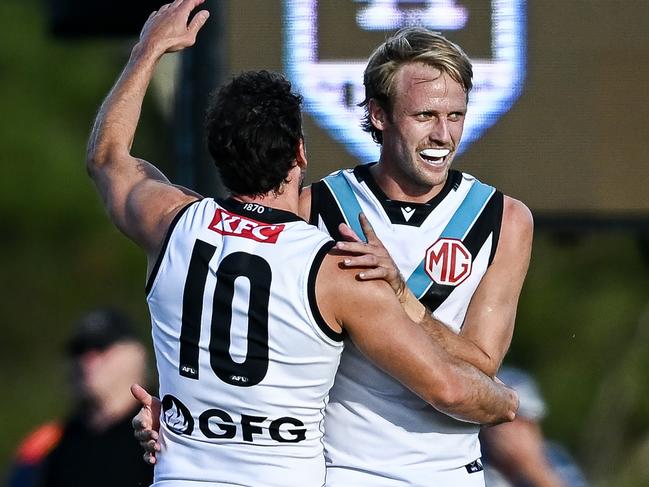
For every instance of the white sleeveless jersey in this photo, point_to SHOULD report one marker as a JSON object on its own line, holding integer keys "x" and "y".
{"x": 245, "y": 360}
{"x": 443, "y": 249}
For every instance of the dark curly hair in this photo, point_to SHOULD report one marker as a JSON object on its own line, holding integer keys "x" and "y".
{"x": 254, "y": 127}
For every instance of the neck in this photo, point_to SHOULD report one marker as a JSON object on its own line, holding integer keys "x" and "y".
{"x": 287, "y": 198}
{"x": 401, "y": 187}
{"x": 272, "y": 200}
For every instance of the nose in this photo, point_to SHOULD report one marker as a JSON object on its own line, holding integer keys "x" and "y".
{"x": 440, "y": 133}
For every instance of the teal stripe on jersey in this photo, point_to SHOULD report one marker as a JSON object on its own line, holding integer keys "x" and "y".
{"x": 348, "y": 203}
{"x": 457, "y": 228}
{"x": 468, "y": 211}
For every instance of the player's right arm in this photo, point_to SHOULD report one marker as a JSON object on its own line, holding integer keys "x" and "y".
{"x": 377, "y": 324}
{"x": 138, "y": 197}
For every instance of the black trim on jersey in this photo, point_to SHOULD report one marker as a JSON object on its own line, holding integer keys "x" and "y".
{"x": 436, "y": 295}
{"x": 394, "y": 209}
{"x": 267, "y": 215}
{"x": 313, "y": 303}
{"x": 496, "y": 217}
{"x": 158, "y": 262}
{"x": 324, "y": 204}
{"x": 488, "y": 223}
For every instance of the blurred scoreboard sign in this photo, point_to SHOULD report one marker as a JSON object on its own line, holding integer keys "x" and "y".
{"x": 558, "y": 116}
{"x": 333, "y": 88}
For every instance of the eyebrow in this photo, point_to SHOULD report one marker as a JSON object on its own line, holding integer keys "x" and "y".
{"x": 418, "y": 81}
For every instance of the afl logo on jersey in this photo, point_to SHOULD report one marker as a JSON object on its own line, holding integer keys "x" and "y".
{"x": 448, "y": 262}
{"x": 227, "y": 223}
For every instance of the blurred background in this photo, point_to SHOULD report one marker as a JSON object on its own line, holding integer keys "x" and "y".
{"x": 561, "y": 121}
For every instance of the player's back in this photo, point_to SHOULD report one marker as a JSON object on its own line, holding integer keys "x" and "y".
{"x": 244, "y": 358}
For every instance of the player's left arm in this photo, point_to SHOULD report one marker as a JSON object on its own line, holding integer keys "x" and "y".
{"x": 488, "y": 327}
{"x": 376, "y": 263}
{"x": 489, "y": 322}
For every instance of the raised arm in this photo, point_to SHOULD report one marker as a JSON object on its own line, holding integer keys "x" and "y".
{"x": 377, "y": 324}
{"x": 138, "y": 197}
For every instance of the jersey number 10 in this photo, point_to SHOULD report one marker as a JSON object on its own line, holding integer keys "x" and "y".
{"x": 238, "y": 264}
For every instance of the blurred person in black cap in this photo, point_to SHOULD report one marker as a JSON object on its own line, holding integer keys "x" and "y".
{"x": 517, "y": 454}
{"x": 95, "y": 445}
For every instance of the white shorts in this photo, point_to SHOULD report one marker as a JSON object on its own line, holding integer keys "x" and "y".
{"x": 471, "y": 475}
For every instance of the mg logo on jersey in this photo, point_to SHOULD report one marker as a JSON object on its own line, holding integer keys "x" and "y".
{"x": 227, "y": 223}
{"x": 333, "y": 86}
{"x": 448, "y": 262}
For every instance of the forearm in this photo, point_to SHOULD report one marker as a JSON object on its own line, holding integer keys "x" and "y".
{"x": 454, "y": 344}
{"x": 478, "y": 398}
{"x": 458, "y": 346}
{"x": 117, "y": 119}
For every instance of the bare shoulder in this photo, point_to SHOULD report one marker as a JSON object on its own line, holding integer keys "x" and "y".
{"x": 516, "y": 234}
{"x": 517, "y": 225}
{"x": 341, "y": 295}
{"x": 514, "y": 250}
{"x": 516, "y": 214}
{"x": 330, "y": 281}
{"x": 150, "y": 207}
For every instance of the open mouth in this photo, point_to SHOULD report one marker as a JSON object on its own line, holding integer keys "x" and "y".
{"x": 434, "y": 156}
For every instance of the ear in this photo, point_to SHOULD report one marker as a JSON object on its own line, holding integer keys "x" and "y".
{"x": 378, "y": 115}
{"x": 300, "y": 156}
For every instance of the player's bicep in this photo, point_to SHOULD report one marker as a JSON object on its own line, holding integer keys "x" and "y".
{"x": 376, "y": 323}
{"x": 490, "y": 318}
{"x": 150, "y": 210}
{"x": 378, "y": 326}
{"x": 139, "y": 199}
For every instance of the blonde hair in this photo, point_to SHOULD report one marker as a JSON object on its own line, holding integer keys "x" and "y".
{"x": 410, "y": 45}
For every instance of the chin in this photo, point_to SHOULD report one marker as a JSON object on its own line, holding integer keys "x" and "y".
{"x": 437, "y": 171}
{"x": 438, "y": 178}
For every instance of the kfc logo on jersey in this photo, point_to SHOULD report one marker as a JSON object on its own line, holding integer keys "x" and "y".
{"x": 232, "y": 224}
{"x": 448, "y": 262}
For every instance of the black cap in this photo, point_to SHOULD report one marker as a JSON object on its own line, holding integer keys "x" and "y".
{"x": 100, "y": 329}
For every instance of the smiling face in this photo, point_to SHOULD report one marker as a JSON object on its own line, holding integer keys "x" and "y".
{"x": 421, "y": 132}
